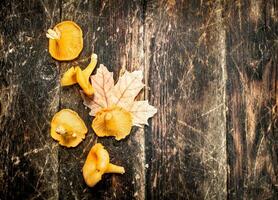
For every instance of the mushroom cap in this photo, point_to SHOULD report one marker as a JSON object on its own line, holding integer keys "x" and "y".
{"x": 70, "y": 44}
{"x": 114, "y": 121}
{"x": 97, "y": 163}
{"x": 69, "y": 77}
{"x": 70, "y": 121}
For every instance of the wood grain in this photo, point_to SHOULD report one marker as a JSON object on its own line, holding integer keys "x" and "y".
{"x": 185, "y": 55}
{"x": 252, "y": 99}
{"x": 29, "y": 96}
{"x": 210, "y": 67}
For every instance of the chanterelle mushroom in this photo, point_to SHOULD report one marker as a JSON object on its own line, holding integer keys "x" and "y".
{"x": 114, "y": 121}
{"x": 65, "y": 40}
{"x": 76, "y": 75}
{"x": 97, "y": 164}
{"x": 68, "y": 128}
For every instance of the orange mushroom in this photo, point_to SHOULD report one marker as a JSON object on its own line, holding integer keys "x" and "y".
{"x": 114, "y": 121}
{"x": 65, "y": 41}
{"x": 69, "y": 77}
{"x": 76, "y": 75}
{"x": 97, "y": 164}
{"x": 68, "y": 128}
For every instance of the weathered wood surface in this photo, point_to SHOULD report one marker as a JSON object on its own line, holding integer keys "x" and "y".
{"x": 252, "y": 64}
{"x": 29, "y": 97}
{"x": 210, "y": 68}
{"x": 185, "y": 55}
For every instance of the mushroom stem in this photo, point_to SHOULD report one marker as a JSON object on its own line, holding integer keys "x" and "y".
{"x": 53, "y": 34}
{"x": 61, "y": 130}
{"x": 108, "y": 116}
{"x": 90, "y": 68}
{"x": 114, "y": 169}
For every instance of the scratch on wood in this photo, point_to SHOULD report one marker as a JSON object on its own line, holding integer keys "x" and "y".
{"x": 191, "y": 127}
{"x": 213, "y": 109}
{"x": 7, "y": 96}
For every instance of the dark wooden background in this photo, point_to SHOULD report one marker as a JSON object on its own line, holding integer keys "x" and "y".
{"x": 210, "y": 68}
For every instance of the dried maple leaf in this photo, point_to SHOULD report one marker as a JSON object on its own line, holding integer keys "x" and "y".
{"x": 103, "y": 83}
{"x": 141, "y": 112}
{"x": 122, "y": 95}
{"x": 127, "y": 88}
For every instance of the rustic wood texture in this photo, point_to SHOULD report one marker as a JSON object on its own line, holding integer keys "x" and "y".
{"x": 210, "y": 67}
{"x": 29, "y": 97}
{"x": 185, "y": 55}
{"x": 252, "y": 99}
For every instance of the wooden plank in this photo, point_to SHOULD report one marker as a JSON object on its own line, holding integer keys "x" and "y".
{"x": 113, "y": 30}
{"x": 185, "y": 58}
{"x": 198, "y": 57}
{"x": 252, "y": 99}
{"x": 28, "y": 99}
